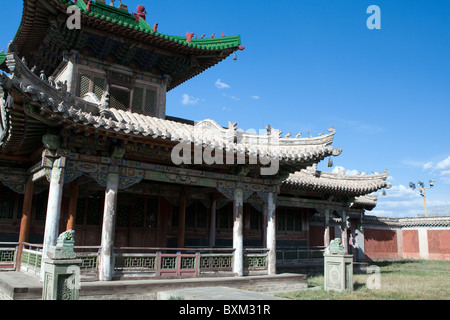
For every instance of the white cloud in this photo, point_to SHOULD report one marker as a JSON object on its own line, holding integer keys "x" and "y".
{"x": 390, "y": 178}
{"x": 255, "y": 97}
{"x": 445, "y": 176}
{"x": 231, "y": 97}
{"x": 413, "y": 163}
{"x": 347, "y": 172}
{"x": 401, "y": 191}
{"x": 442, "y": 168}
{"x": 402, "y": 201}
{"x": 221, "y": 85}
{"x": 428, "y": 165}
{"x": 444, "y": 164}
{"x": 188, "y": 100}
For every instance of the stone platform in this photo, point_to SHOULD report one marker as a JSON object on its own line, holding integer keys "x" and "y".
{"x": 19, "y": 286}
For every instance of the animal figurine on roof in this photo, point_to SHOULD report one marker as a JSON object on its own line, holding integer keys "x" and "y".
{"x": 141, "y": 13}
{"x": 189, "y": 36}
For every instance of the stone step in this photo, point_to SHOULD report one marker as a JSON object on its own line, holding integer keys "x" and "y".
{"x": 148, "y": 289}
{"x": 20, "y": 286}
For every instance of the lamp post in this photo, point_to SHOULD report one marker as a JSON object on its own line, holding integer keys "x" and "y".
{"x": 422, "y": 188}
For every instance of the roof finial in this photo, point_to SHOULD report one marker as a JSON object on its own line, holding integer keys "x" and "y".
{"x": 141, "y": 13}
{"x": 189, "y": 36}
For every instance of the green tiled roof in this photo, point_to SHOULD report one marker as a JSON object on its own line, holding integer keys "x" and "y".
{"x": 123, "y": 18}
{"x": 2, "y": 58}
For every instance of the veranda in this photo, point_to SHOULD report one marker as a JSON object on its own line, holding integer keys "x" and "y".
{"x": 159, "y": 228}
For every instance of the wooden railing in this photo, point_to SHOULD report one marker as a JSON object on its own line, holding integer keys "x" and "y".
{"x": 31, "y": 259}
{"x": 293, "y": 255}
{"x": 8, "y": 254}
{"x": 164, "y": 262}
{"x": 172, "y": 261}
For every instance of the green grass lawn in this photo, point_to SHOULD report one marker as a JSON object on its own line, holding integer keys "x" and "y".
{"x": 400, "y": 280}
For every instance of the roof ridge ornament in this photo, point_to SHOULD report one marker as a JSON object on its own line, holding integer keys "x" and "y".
{"x": 140, "y": 13}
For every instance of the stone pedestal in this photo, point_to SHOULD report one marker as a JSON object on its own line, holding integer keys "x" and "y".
{"x": 61, "y": 270}
{"x": 338, "y": 271}
{"x": 61, "y": 279}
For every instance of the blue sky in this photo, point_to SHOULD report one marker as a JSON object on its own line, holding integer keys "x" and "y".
{"x": 311, "y": 65}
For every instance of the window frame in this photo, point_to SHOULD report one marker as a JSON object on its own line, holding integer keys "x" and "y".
{"x": 145, "y": 86}
{"x": 283, "y": 214}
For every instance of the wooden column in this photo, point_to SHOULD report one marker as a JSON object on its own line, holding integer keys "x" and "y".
{"x": 271, "y": 242}
{"x": 182, "y": 219}
{"x": 106, "y": 266}
{"x": 326, "y": 223}
{"x": 72, "y": 206}
{"x": 212, "y": 223}
{"x": 359, "y": 241}
{"x": 344, "y": 237}
{"x": 26, "y": 219}
{"x": 53, "y": 207}
{"x": 238, "y": 233}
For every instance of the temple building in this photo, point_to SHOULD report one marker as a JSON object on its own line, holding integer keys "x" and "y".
{"x": 86, "y": 145}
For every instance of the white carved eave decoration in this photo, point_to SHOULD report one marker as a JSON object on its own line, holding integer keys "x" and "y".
{"x": 311, "y": 179}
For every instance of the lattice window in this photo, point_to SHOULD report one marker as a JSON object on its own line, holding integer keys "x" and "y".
{"x": 119, "y": 99}
{"x": 255, "y": 219}
{"x": 84, "y": 84}
{"x": 289, "y": 219}
{"x": 138, "y": 98}
{"x": 7, "y": 204}
{"x": 190, "y": 216}
{"x": 196, "y": 215}
{"x": 202, "y": 213}
{"x": 151, "y": 100}
{"x": 20, "y": 199}
{"x": 175, "y": 216}
{"x": 138, "y": 213}
{"x": 281, "y": 220}
{"x": 99, "y": 87}
{"x": 152, "y": 213}
{"x": 123, "y": 211}
{"x": 298, "y": 222}
{"x": 79, "y": 219}
{"x": 145, "y": 100}
{"x": 41, "y": 206}
{"x": 88, "y": 83}
{"x": 225, "y": 217}
{"x": 94, "y": 210}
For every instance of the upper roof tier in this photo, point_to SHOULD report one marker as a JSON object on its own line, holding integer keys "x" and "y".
{"x": 115, "y": 35}
{"x": 50, "y": 103}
